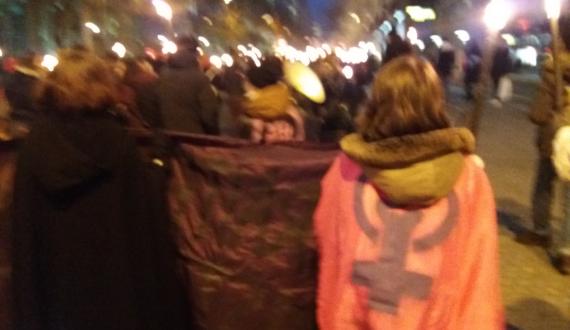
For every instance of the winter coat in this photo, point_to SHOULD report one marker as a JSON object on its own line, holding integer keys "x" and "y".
{"x": 543, "y": 111}
{"x": 187, "y": 100}
{"x": 407, "y": 236}
{"x": 90, "y": 241}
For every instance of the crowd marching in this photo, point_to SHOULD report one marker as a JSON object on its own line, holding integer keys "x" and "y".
{"x": 406, "y": 225}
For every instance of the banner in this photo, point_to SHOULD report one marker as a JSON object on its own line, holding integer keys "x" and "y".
{"x": 242, "y": 223}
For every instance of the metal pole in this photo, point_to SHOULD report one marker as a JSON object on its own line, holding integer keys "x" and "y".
{"x": 558, "y": 101}
{"x": 482, "y": 88}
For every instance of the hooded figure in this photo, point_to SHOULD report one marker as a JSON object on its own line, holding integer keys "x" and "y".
{"x": 90, "y": 237}
{"x": 406, "y": 225}
{"x": 188, "y": 102}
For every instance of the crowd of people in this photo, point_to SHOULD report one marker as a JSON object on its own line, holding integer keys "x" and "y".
{"x": 406, "y": 225}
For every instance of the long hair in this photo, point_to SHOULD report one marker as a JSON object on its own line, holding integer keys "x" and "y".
{"x": 80, "y": 82}
{"x": 407, "y": 98}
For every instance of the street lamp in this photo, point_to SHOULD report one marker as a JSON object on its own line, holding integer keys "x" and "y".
{"x": 497, "y": 15}
{"x": 552, "y": 8}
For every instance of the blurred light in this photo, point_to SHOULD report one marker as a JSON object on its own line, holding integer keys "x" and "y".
{"x": 355, "y": 17}
{"x": 242, "y": 48}
{"x": 412, "y": 34}
{"x": 162, "y": 9}
{"x": 216, "y": 61}
{"x": 497, "y": 14}
{"x": 509, "y": 38}
{"x": 400, "y": 16}
{"x": 421, "y": 14}
{"x": 326, "y": 48}
{"x": 169, "y": 47}
{"x": 227, "y": 2}
{"x": 348, "y": 72}
{"x": 208, "y": 20}
{"x": 281, "y": 42}
{"x": 528, "y": 56}
{"x": 228, "y": 60}
{"x": 421, "y": 45}
{"x": 93, "y": 27}
{"x": 49, "y": 62}
{"x": 200, "y": 51}
{"x": 1, "y": 52}
{"x": 150, "y": 53}
{"x": 268, "y": 19}
{"x": 437, "y": 40}
{"x": 204, "y": 41}
{"x": 552, "y": 8}
{"x": 463, "y": 36}
{"x": 162, "y": 38}
{"x": 305, "y": 81}
{"x": 119, "y": 49}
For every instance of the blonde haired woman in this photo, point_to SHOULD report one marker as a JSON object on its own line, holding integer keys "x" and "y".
{"x": 406, "y": 223}
{"x": 88, "y": 246}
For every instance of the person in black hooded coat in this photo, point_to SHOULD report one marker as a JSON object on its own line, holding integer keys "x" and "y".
{"x": 90, "y": 242}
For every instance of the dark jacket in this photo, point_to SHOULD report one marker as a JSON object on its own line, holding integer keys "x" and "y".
{"x": 187, "y": 100}
{"x": 90, "y": 247}
{"x": 543, "y": 111}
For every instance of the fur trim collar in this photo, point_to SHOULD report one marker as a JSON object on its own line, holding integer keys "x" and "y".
{"x": 398, "y": 152}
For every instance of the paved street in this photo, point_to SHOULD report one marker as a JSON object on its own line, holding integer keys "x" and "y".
{"x": 535, "y": 295}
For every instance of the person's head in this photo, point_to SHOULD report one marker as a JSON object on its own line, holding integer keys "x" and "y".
{"x": 407, "y": 99}
{"x": 269, "y": 73}
{"x": 81, "y": 81}
{"x": 564, "y": 23}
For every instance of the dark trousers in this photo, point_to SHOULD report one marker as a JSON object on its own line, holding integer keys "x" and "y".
{"x": 543, "y": 196}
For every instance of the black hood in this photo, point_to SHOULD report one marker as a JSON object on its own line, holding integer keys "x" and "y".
{"x": 66, "y": 152}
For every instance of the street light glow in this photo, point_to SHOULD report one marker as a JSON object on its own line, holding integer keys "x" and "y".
{"x": 437, "y": 40}
{"x": 348, "y": 72}
{"x": 49, "y": 62}
{"x": 169, "y": 47}
{"x": 412, "y": 34}
{"x": 355, "y": 17}
{"x": 463, "y": 36}
{"x": 552, "y": 8}
{"x": 119, "y": 49}
{"x": 163, "y": 9}
{"x": 497, "y": 15}
{"x": 93, "y": 27}
{"x": 216, "y": 61}
{"x": 204, "y": 41}
{"x": 228, "y": 60}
